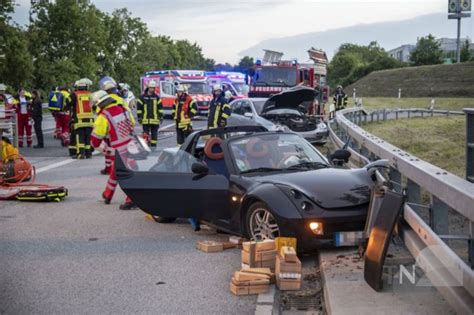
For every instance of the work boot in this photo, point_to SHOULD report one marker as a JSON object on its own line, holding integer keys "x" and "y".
{"x": 128, "y": 205}
{"x": 195, "y": 224}
{"x": 106, "y": 198}
{"x": 105, "y": 171}
{"x": 38, "y": 146}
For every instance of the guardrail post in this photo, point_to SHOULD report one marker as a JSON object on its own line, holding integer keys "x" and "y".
{"x": 365, "y": 119}
{"x": 378, "y": 116}
{"x": 469, "y": 144}
{"x": 384, "y": 114}
{"x": 408, "y": 112}
{"x": 372, "y": 117}
{"x": 396, "y": 179}
{"x": 439, "y": 216}
{"x": 413, "y": 193}
{"x": 396, "y": 114}
{"x": 471, "y": 244}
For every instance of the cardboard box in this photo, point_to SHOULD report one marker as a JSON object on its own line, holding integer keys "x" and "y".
{"x": 288, "y": 253}
{"x": 260, "y": 246}
{"x": 250, "y": 283}
{"x": 247, "y": 276}
{"x": 285, "y": 241}
{"x": 269, "y": 262}
{"x": 265, "y": 271}
{"x": 259, "y": 256}
{"x": 282, "y": 266}
{"x": 236, "y": 240}
{"x": 288, "y": 285}
{"x": 248, "y": 290}
{"x": 210, "y": 246}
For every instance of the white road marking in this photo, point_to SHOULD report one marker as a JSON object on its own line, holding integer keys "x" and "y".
{"x": 59, "y": 164}
{"x": 265, "y": 302}
{"x": 166, "y": 127}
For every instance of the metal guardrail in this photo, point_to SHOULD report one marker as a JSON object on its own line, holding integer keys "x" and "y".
{"x": 446, "y": 190}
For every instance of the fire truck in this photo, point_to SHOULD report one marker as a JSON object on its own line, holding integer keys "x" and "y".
{"x": 273, "y": 75}
{"x": 232, "y": 81}
{"x": 194, "y": 81}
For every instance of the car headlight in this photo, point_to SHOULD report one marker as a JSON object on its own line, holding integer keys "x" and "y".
{"x": 298, "y": 198}
{"x": 322, "y": 126}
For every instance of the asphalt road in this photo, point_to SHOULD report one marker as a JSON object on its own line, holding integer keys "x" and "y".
{"x": 82, "y": 256}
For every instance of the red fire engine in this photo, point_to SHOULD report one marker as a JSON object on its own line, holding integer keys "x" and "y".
{"x": 194, "y": 81}
{"x": 273, "y": 75}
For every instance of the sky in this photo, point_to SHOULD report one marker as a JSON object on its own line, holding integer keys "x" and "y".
{"x": 223, "y": 28}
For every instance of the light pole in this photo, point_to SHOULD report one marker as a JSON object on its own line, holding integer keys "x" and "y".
{"x": 458, "y": 9}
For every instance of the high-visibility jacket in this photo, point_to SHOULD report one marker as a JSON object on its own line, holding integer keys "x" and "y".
{"x": 17, "y": 105}
{"x": 81, "y": 109}
{"x": 219, "y": 111}
{"x": 150, "y": 109}
{"x": 340, "y": 100}
{"x": 66, "y": 101}
{"x": 184, "y": 108}
{"x": 113, "y": 124}
{"x": 119, "y": 100}
{"x": 9, "y": 152}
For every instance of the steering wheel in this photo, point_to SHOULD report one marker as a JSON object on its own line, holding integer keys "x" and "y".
{"x": 288, "y": 161}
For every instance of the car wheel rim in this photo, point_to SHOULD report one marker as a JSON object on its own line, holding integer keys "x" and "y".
{"x": 263, "y": 225}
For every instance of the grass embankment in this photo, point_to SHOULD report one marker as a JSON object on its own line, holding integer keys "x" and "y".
{"x": 438, "y": 140}
{"x": 420, "y": 102}
{"x": 455, "y": 80}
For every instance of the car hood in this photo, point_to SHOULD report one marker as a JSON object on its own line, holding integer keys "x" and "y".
{"x": 291, "y": 98}
{"x": 329, "y": 188}
{"x": 239, "y": 120}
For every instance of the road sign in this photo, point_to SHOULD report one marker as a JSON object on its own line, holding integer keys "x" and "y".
{"x": 453, "y": 6}
{"x": 465, "y": 5}
{"x": 458, "y": 15}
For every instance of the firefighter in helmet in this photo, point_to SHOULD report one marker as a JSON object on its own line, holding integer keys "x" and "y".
{"x": 113, "y": 124}
{"x": 150, "y": 113}
{"x": 184, "y": 108}
{"x": 82, "y": 117}
{"x": 109, "y": 85}
{"x": 219, "y": 109}
{"x": 340, "y": 98}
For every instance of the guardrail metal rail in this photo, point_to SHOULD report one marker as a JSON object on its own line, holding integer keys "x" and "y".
{"x": 447, "y": 191}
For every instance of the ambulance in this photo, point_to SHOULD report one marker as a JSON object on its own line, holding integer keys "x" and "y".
{"x": 232, "y": 81}
{"x": 194, "y": 81}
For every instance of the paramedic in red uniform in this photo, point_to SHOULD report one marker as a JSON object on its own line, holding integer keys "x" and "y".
{"x": 23, "y": 109}
{"x": 113, "y": 124}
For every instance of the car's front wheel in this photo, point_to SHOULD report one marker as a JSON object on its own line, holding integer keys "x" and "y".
{"x": 162, "y": 219}
{"x": 261, "y": 223}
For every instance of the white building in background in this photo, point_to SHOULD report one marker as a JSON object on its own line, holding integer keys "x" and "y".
{"x": 402, "y": 53}
{"x": 447, "y": 45}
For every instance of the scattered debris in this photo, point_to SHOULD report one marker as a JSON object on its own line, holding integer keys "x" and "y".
{"x": 214, "y": 247}
{"x": 251, "y": 281}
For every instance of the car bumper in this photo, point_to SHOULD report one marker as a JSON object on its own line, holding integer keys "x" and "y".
{"x": 333, "y": 224}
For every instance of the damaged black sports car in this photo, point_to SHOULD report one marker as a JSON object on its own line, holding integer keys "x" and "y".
{"x": 251, "y": 182}
{"x": 289, "y": 108}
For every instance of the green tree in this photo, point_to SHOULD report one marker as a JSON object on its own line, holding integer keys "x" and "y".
{"x": 427, "y": 52}
{"x": 246, "y": 62}
{"x": 66, "y": 39}
{"x": 15, "y": 60}
{"x": 465, "y": 51}
{"x": 352, "y": 62}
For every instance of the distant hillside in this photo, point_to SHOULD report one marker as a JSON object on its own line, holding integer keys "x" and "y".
{"x": 426, "y": 81}
{"x": 389, "y": 35}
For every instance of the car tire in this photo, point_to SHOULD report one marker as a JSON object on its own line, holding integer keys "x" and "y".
{"x": 162, "y": 219}
{"x": 261, "y": 223}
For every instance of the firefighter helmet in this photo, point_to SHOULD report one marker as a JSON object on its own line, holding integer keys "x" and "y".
{"x": 101, "y": 99}
{"x": 107, "y": 83}
{"x": 228, "y": 94}
{"x": 151, "y": 84}
{"x": 179, "y": 88}
{"x": 216, "y": 87}
{"x": 339, "y": 87}
{"x": 3, "y": 88}
{"x": 84, "y": 82}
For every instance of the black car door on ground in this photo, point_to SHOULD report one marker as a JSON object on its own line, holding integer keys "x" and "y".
{"x": 170, "y": 189}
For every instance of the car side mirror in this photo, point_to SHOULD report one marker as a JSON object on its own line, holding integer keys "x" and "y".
{"x": 199, "y": 168}
{"x": 340, "y": 156}
{"x": 248, "y": 115}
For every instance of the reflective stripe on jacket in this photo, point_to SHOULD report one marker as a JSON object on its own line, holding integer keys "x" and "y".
{"x": 184, "y": 108}
{"x": 82, "y": 113}
{"x": 113, "y": 124}
{"x": 219, "y": 111}
{"x": 150, "y": 109}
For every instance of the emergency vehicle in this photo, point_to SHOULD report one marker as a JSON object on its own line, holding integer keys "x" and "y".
{"x": 232, "y": 81}
{"x": 194, "y": 81}
{"x": 273, "y": 75}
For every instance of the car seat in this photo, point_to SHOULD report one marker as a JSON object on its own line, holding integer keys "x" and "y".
{"x": 258, "y": 153}
{"x": 214, "y": 156}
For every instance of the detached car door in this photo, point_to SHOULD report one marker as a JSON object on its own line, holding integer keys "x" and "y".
{"x": 164, "y": 185}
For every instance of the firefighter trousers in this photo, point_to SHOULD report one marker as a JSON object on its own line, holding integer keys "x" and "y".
{"x": 182, "y": 134}
{"x": 24, "y": 125}
{"x": 62, "y": 123}
{"x": 152, "y": 131}
{"x": 112, "y": 183}
{"x": 83, "y": 141}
